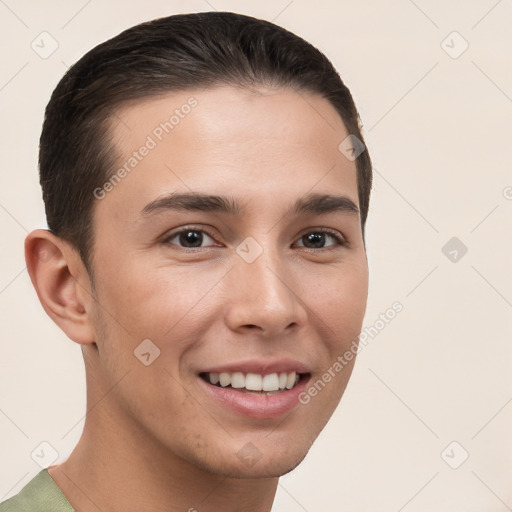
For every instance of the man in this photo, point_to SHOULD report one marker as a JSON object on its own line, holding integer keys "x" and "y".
{"x": 206, "y": 187}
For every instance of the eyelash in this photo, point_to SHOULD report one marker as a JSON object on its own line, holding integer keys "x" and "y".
{"x": 340, "y": 241}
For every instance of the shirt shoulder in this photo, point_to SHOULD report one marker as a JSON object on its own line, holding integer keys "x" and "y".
{"x": 41, "y": 494}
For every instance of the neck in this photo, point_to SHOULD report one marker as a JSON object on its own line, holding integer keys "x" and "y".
{"x": 117, "y": 467}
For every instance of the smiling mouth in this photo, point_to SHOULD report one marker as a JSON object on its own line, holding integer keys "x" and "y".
{"x": 254, "y": 383}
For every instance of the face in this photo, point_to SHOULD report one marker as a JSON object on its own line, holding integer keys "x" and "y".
{"x": 227, "y": 284}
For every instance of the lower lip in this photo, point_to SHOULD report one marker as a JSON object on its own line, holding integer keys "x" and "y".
{"x": 257, "y": 406}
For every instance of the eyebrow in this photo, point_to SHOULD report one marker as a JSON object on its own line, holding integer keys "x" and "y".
{"x": 319, "y": 204}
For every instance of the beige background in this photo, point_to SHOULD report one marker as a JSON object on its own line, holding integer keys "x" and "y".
{"x": 439, "y": 132}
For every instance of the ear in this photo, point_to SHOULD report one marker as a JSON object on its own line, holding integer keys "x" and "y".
{"x": 61, "y": 282}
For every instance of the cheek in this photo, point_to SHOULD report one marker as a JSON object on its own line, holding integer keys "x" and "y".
{"x": 161, "y": 312}
{"x": 340, "y": 303}
{"x": 344, "y": 308}
{"x": 153, "y": 303}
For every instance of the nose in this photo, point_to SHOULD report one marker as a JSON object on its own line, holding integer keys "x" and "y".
{"x": 264, "y": 296}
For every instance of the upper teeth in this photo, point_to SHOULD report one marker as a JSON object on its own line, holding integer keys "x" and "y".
{"x": 254, "y": 381}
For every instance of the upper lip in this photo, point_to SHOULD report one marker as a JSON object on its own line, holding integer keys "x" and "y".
{"x": 263, "y": 367}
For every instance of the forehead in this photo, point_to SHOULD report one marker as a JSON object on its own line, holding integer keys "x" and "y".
{"x": 253, "y": 143}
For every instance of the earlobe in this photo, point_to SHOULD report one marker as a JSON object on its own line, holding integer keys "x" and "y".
{"x": 50, "y": 263}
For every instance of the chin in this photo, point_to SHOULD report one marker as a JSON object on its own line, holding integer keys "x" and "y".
{"x": 250, "y": 462}
{"x": 272, "y": 468}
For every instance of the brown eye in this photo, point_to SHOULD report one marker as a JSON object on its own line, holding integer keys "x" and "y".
{"x": 317, "y": 240}
{"x": 188, "y": 238}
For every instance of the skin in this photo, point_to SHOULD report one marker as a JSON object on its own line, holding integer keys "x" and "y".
{"x": 153, "y": 439}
